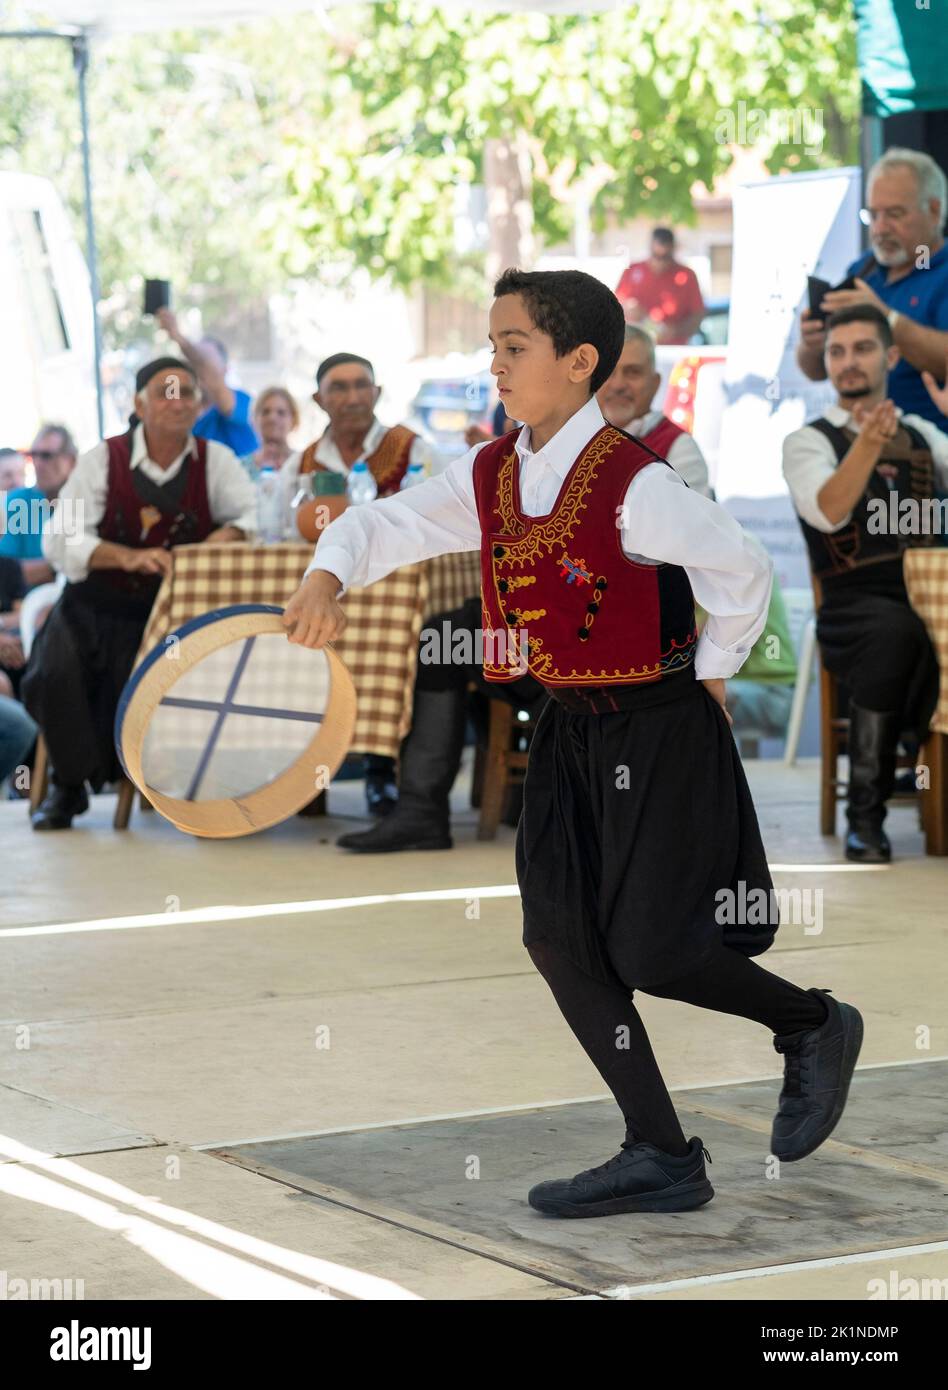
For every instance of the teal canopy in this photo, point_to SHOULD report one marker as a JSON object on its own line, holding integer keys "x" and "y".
{"x": 903, "y": 55}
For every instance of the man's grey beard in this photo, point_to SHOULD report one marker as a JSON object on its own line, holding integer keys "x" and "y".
{"x": 890, "y": 258}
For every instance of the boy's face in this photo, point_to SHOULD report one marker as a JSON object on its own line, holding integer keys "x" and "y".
{"x": 531, "y": 379}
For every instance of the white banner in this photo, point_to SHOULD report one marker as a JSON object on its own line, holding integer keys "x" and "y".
{"x": 785, "y": 229}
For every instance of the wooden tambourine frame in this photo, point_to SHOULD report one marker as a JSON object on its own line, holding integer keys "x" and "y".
{"x": 288, "y": 793}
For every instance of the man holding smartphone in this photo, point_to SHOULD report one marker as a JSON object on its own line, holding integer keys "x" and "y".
{"x": 908, "y": 284}
{"x": 226, "y": 418}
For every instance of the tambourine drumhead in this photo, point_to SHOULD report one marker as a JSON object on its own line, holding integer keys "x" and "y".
{"x": 227, "y": 727}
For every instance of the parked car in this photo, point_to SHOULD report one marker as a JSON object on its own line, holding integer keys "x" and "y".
{"x": 445, "y": 408}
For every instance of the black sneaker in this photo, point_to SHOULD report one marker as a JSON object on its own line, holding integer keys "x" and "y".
{"x": 818, "y": 1067}
{"x": 639, "y": 1178}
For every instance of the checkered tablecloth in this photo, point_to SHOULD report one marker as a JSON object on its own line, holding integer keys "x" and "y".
{"x": 379, "y": 645}
{"x": 926, "y": 579}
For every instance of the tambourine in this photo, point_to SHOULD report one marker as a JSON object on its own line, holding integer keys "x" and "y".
{"x": 228, "y": 728}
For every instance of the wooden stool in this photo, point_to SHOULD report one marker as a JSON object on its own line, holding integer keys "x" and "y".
{"x": 501, "y": 766}
{"x": 934, "y": 797}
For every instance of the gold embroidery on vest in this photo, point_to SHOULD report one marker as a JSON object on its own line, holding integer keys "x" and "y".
{"x": 556, "y": 529}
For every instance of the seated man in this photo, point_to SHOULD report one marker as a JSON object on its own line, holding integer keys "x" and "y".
{"x": 845, "y": 471}
{"x": 12, "y": 590}
{"x": 54, "y": 457}
{"x": 346, "y": 391}
{"x": 17, "y": 734}
{"x": 12, "y": 475}
{"x": 136, "y": 496}
{"x": 626, "y": 402}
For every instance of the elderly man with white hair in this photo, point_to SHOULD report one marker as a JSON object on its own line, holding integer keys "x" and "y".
{"x": 905, "y": 276}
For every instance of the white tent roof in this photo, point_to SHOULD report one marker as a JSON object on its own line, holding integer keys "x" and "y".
{"x": 131, "y": 16}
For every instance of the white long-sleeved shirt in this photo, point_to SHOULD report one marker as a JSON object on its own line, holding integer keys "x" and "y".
{"x": 809, "y": 461}
{"x": 70, "y": 534}
{"x": 683, "y": 453}
{"x": 662, "y": 521}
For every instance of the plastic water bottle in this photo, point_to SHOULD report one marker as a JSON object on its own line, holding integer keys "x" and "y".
{"x": 414, "y": 474}
{"x": 269, "y": 507}
{"x": 360, "y": 486}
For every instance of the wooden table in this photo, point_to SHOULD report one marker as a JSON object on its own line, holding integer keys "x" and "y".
{"x": 379, "y": 645}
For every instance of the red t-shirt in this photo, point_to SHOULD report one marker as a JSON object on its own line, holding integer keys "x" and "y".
{"x": 672, "y": 295}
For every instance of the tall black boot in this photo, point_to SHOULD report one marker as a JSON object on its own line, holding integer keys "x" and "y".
{"x": 431, "y": 756}
{"x": 873, "y": 737}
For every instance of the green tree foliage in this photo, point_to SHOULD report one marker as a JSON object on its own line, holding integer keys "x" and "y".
{"x": 228, "y": 160}
{"x": 637, "y": 96}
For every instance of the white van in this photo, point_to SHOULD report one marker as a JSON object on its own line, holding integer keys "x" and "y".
{"x": 47, "y": 353}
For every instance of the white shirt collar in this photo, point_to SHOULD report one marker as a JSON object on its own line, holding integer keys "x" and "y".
{"x": 842, "y": 418}
{"x": 327, "y": 451}
{"x": 139, "y": 453}
{"x": 644, "y": 424}
{"x": 561, "y": 452}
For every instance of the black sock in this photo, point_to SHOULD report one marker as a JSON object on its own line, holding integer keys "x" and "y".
{"x": 730, "y": 983}
{"x": 613, "y": 1036}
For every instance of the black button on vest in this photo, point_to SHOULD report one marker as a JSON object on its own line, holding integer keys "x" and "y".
{"x": 499, "y": 552}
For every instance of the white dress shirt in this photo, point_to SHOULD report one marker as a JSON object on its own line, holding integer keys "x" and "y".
{"x": 809, "y": 461}
{"x": 662, "y": 521}
{"x": 68, "y": 546}
{"x": 683, "y": 454}
{"x": 327, "y": 451}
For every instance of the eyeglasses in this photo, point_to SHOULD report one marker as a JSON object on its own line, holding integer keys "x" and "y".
{"x": 338, "y": 389}
{"x": 180, "y": 393}
{"x": 869, "y": 215}
{"x": 45, "y": 455}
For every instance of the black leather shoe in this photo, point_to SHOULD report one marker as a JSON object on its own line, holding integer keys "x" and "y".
{"x": 56, "y": 811}
{"x": 639, "y": 1178}
{"x": 868, "y": 845}
{"x": 396, "y": 832}
{"x": 818, "y": 1067}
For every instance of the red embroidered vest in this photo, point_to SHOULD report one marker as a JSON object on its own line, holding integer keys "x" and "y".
{"x": 662, "y": 436}
{"x": 574, "y": 609}
{"x": 130, "y": 520}
{"x": 388, "y": 464}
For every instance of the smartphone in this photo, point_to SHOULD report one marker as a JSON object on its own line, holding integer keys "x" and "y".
{"x": 157, "y": 296}
{"x": 816, "y": 289}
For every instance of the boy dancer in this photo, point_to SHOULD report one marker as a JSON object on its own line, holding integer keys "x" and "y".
{"x": 636, "y": 809}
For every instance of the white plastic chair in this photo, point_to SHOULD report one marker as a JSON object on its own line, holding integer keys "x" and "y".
{"x": 802, "y": 620}
{"x": 43, "y": 596}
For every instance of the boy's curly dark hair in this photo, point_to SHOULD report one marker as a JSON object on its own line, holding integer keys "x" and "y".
{"x": 571, "y": 308}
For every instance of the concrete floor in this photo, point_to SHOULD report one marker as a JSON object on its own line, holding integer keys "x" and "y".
{"x": 167, "y": 999}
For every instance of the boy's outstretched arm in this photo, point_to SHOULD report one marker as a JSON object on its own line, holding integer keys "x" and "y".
{"x": 364, "y": 544}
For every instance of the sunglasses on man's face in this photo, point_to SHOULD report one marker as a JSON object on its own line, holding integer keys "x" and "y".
{"x": 45, "y": 455}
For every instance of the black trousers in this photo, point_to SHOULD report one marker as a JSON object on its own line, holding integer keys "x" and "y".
{"x": 878, "y": 646}
{"x": 607, "y": 1024}
{"x": 77, "y": 670}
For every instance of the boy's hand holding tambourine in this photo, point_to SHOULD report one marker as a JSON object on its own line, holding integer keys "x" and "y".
{"x": 313, "y": 617}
